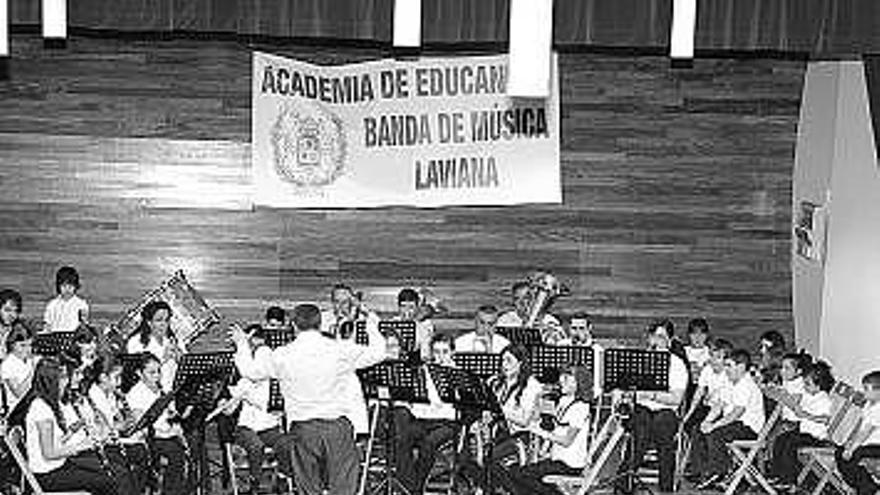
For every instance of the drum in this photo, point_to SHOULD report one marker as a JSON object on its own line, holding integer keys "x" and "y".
{"x": 190, "y": 314}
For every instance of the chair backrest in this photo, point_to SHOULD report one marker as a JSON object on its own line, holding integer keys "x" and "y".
{"x": 846, "y": 411}
{"x": 769, "y": 423}
{"x": 14, "y": 438}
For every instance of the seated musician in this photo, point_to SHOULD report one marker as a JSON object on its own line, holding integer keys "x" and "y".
{"x": 167, "y": 440}
{"x": 85, "y": 339}
{"x": 257, "y": 427}
{"x": 408, "y": 301}
{"x": 505, "y": 438}
{"x": 813, "y": 411}
{"x": 483, "y": 338}
{"x": 424, "y": 427}
{"x": 860, "y": 456}
{"x": 567, "y": 433}
{"x": 102, "y": 381}
{"x": 580, "y": 333}
{"x": 738, "y": 416}
{"x": 655, "y": 417}
{"x": 154, "y": 335}
{"x": 17, "y": 370}
{"x": 711, "y": 385}
{"x": 60, "y": 452}
{"x": 276, "y": 319}
{"x": 697, "y": 349}
{"x": 340, "y": 322}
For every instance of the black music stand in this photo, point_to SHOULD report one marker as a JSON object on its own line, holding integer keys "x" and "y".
{"x": 482, "y": 364}
{"x": 547, "y": 360}
{"x": 388, "y": 382}
{"x": 405, "y": 331}
{"x": 276, "y": 338}
{"x": 52, "y": 343}
{"x": 361, "y": 337}
{"x": 633, "y": 370}
{"x": 525, "y": 336}
{"x": 198, "y": 382}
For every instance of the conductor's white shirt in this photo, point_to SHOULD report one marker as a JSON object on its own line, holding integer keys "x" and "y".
{"x": 313, "y": 371}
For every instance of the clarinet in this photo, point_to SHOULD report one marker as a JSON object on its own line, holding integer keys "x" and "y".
{"x": 92, "y": 434}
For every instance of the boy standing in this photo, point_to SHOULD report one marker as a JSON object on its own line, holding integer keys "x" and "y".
{"x": 866, "y": 444}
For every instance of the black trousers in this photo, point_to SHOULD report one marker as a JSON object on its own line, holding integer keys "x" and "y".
{"x": 255, "y": 443}
{"x": 718, "y": 461}
{"x": 424, "y": 435}
{"x": 85, "y": 471}
{"x": 136, "y": 458}
{"x": 657, "y": 428}
{"x": 324, "y": 455}
{"x": 785, "y": 463}
{"x": 854, "y": 473}
{"x": 174, "y": 480}
{"x": 527, "y": 480}
{"x": 699, "y": 447}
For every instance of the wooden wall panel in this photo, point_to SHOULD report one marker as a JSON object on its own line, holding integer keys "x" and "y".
{"x": 130, "y": 159}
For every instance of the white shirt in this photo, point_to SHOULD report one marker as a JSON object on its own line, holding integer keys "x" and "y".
{"x": 697, "y": 356}
{"x": 678, "y": 379}
{"x": 436, "y": 408}
{"x": 140, "y": 398}
{"x": 15, "y": 370}
{"x": 521, "y": 410}
{"x": 573, "y": 414}
{"x": 715, "y": 383}
{"x": 513, "y": 319}
{"x": 314, "y": 372}
{"x": 469, "y": 342}
{"x": 871, "y": 417}
{"x": 63, "y": 315}
{"x": 255, "y": 417}
{"x": 818, "y": 404}
{"x": 745, "y": 393}
{"x": 37, "y": 412}
{"x": 792, "y": 387}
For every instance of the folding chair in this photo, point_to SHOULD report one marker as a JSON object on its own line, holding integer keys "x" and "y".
{"x": 13, "y": 440}
{"x": 745, "y": 453}
{"x": 844, "y": 424}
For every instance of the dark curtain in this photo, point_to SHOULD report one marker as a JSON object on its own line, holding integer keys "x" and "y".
{"x": 818, "y": 27}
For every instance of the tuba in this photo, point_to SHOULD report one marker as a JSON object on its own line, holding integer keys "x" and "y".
{"x": 544, "y": 288}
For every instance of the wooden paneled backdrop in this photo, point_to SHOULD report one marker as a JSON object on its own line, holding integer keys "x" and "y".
{"x": 127, "y": 159}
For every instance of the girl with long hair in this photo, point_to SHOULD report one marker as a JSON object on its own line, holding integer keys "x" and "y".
{"x": 154, "y": 335}
{"x": 60, "y": 452}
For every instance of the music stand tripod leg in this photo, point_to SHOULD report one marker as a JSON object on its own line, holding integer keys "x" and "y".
{"x": 390, "y": 485}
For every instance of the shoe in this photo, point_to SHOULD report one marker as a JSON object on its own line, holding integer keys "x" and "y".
{"x": 709, "y": 482}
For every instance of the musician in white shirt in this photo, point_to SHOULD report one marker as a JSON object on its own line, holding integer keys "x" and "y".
{"x": 313, "y": 373}
{"x": 67, "y": 310}
{"x": 483, "y": 338}
{"x": 154, "y": 335}
{"x": 655, "y": 414}
{"x": 408, "y": 310}
{"x": 341, "y": 322}
{"x": 424, "y": 427}
{"x": 739, "y": 416}
{"x": 17, "y": 369}
{"x": 813, "y": 411}
{"x": 257, "y": 427}
{"x": 518, "y": 316}
{"x": 168, "y": 440}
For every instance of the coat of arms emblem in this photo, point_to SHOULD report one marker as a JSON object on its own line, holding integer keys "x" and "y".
{"x": 308, "y": 145}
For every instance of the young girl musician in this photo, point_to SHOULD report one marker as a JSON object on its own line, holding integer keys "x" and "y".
{"x": 167, "y": 438}
{"x": 62, "y": 452}
{"x": 154, "y": 335}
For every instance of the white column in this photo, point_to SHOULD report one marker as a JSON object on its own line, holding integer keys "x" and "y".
{"x": 531, "y": 38}
{"x": 4, "y": 28}
{"x": 684, "y": 21}
{"x": 55, "y": 19}
{"x": 407, "y": 23}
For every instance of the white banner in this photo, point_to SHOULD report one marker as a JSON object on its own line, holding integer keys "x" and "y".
{"x": 428, "y": 132}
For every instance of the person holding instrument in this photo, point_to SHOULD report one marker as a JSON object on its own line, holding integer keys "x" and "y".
{"x": 258, "y": 428}
{"x": 102, "y": 381}
{"x": 60, "y": 452}
{"x": 654, "y": 416}
{"x": 568, "y": 435}
{"x": 167, "y": 439}
{"x": 154, "y": 335}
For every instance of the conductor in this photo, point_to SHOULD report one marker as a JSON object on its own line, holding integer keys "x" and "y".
{"x": 313, "y": 372}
